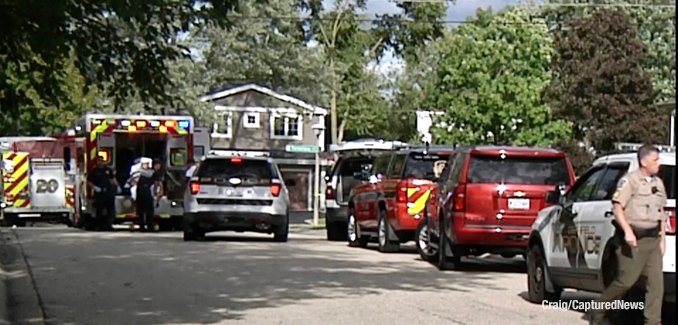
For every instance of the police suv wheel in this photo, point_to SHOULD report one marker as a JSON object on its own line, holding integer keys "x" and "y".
{"x": 536, "y": 277}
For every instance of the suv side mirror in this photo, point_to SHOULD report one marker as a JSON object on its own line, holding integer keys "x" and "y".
{"x": 553, "y": 197}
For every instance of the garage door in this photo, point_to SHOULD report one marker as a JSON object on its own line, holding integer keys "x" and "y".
{"x": 298, "y": 192}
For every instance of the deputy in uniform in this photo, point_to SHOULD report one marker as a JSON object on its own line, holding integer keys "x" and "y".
{"x": 102, "y": 180}
{"x": 639, "y": 210}
{"x": 145, "y": 203}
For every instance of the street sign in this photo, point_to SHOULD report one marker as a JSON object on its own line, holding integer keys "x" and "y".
{"x": 301, "y": 148}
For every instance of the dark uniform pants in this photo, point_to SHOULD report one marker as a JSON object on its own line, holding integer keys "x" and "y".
{"x": 145, "y": 210}
{"x": 646, "y": 260}
{"x": 104, "y": 205}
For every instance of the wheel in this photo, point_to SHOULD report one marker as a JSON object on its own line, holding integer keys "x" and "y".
{"x": 355, "y": 238}
{"x": 282, "y": 233}
{"x": 336, "y": 231}
{"x": 444, "y": 262}
{"x": 194, "y": 234}
{"x": 423, "y": 237}
{"x": 536, "y": 284}
{"x": 386, "y": 243}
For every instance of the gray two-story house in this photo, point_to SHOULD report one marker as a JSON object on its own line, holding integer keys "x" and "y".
{"x": 257, "y": 120}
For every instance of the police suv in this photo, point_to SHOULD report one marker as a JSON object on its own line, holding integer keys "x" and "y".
{"x": 572, "y": 242}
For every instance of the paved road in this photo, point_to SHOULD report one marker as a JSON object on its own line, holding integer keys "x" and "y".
{"x": 133, "y": 278}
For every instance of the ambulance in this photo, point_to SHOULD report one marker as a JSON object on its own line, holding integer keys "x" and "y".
{"x": 35, "y": 184}
{"x": 121, "y": 140}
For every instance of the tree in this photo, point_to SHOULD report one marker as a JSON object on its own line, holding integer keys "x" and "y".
{"x": 599, "y": 84}
{"x": 491, "y": 75}
{"x": 125, "y": 44}
{"x": 656, "y": 25}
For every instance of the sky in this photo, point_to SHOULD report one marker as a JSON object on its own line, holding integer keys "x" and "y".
{"x": 455, "y": 12}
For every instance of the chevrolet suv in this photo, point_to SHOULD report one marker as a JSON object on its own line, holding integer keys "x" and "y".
{"x": 389, "y": 204}
{"x": 487, "y": 200}
{"x": 354, "y": 158}
{"x": 572, "y": 243}
{"x": 236, "y": 193}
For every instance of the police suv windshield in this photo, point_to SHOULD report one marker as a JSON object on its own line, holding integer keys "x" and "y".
{"x": 250, "y": 170}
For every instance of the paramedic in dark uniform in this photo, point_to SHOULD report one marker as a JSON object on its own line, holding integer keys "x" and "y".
{"x": 102, "y": 180}
{"x": 639, "y": 210}
{"x": 145, "y": 203}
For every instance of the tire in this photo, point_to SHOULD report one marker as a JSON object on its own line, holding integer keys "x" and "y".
{"x": 386, "y": 243}
{"x": 536, "y": 284}
{"x": 423, "y": 238}
{"x": 282, "y": 233}
{"x": 194, "y": 234}
{"x": 336, "y": 231}
{"x": 353, "y": 233}
{"x": 445, "y": 263}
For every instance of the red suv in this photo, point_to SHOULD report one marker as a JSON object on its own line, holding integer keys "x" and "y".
{"x": 487, "y": 199}
{"x": 390, "y": 202}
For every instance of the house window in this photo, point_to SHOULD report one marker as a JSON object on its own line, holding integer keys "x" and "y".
{"x": 224, "y": 127}
{"x": 286, "y": 126}
{"x": 251, "y": 120}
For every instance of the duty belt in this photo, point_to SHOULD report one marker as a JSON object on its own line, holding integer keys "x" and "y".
{"x": 641, "y": 233}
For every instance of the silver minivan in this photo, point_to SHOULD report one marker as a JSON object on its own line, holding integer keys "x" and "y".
{"x": 237, "y": 194}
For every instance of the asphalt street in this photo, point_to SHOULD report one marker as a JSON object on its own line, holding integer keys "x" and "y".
{"x": 135, "y": 278}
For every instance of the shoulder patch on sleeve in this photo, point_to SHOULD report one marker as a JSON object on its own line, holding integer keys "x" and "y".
{"x": 622, "y": 183}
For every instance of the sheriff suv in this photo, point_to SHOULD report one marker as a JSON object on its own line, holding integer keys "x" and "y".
{"x": 236, "y": 193}
{"x": 354, "y": 158}
{"x": 487, "y": 200}
{"x": 389, "y": 204}
{"x": 572, "y": 243}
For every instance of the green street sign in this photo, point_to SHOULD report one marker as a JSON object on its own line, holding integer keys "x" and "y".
{"x": 301, "y": 148}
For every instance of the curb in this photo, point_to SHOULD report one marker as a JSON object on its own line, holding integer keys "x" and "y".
{"x": 22, "y": 302}
{"x": 4, "y": 290}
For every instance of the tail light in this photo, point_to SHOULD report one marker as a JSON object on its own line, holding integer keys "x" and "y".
{"x": 402, "y": 192}
{"x": 195, "y": 187}
{"x": 670, "y": 221}
{"x": 329, "y": 193}
{"x": 460, "y": 198}
{"x": 275, "y": 189}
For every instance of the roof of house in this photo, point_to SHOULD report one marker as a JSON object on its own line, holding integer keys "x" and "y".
{"x": 266, "y": 91}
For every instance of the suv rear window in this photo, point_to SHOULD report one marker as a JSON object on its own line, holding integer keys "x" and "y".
{"x": 420, "y": 166}
{"x": 668, "y": 174}
{"x": 518, "y": 170}
{"x": 250, "y": 170}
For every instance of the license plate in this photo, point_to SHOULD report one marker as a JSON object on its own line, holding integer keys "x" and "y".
{"x": 230, "y": 192}
{"x": 519, "y": 204}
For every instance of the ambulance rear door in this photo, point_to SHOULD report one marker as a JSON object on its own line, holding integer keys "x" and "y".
{"x": 106, "y": 148}
{"x": 177, "y": 158}
{"x": 202, "y": 142}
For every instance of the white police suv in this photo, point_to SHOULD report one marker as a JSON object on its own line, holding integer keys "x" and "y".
{"x": 572, "y": 242}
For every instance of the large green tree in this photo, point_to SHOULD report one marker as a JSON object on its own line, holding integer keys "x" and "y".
{"x": 599, "y": 84}
{"x": 492, "y": 72}
{"x": 655, "y": 21}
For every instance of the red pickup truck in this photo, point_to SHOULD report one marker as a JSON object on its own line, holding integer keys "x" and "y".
{"x": 390, "y": 202}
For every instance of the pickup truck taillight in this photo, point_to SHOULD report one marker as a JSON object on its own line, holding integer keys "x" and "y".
{"x": 275, "y": 189}
{"x": 329, "y": 193}
{"x": 195, "y": 187}
{"x": 670, "y": 221}
{"x": 459, "y": 198}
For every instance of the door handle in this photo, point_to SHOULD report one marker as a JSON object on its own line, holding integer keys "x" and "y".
{"x": 609, "y": 214}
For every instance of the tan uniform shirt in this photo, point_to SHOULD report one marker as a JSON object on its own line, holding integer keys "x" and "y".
{"x": 643, "y": 199}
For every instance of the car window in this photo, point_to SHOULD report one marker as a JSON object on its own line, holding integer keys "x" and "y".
{"x": 397, "y": 166}
{"x": 455, "y": 172}
{"x": 585, "y": 186}
{"x": 448, "y": 166}
{"x": 248, "y": 170}
{"x": 608, "y": 182}
{"x": 421, "y": 166}
{"x": 381, "y": 165}
{"x": 668, "y": 174}
{"x": 518, "y": 170}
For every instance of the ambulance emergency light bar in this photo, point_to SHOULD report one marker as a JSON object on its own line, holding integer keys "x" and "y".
{"x": 153, "y": 125}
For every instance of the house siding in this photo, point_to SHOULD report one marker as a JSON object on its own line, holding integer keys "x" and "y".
{"x": 260, "y": 138}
